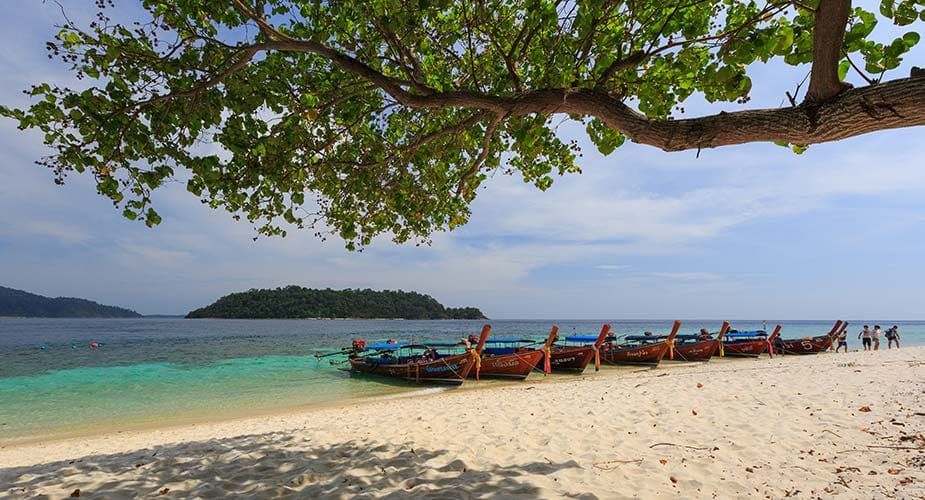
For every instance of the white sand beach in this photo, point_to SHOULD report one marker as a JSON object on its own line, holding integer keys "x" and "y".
{"x": 846, "y": 425}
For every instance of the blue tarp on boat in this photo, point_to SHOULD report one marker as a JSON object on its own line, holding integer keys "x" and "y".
{"x": 581, "y": 338}
{"x": 637, "y": 338}
{"x": 386, "y": 346}
{"x": 756, "y": 333}
{"x": 690, "y": 337}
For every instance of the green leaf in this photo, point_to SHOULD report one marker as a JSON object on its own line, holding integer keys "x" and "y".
{"x": 843, "y": 68}
{"x": 152, "y": 218}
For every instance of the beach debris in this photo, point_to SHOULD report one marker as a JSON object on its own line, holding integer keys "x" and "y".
{"x": 613, "y": 464}
{"x": 865, "y": 409}
{"x": 663, "y": 461}
{"x": 699, "y": 385}
{"x": 906, "y": 480}
{"x": 914, "y": 437}
{"x": 673, "y": 479}
{"x": 828, "y": 489}
{"x": 893, "y": 472}
{"x": 75, "y": 493}
{"x": 896, "y": 447}
{"x": 872, "y": 473}
{"x": 164, "y": 491}
{"x": 694, "y": 412}
{"x": 680, "y": 446}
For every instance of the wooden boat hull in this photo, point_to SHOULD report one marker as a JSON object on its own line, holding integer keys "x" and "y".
{"x": 649, "y": 354}
{"x": 511, "y": 366}
{"x": 448, "y": 370}
{"x": 811, "y": 345}
{"x": 696, "y": 351}
{"x": 746, "y": 349}
{"x": 569, "y": 359}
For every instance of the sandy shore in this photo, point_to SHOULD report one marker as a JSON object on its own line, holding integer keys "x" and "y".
{"x": 794, "y": 426}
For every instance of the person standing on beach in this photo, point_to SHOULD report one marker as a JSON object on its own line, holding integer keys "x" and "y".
{"x": 892, "y": 335}
{"x": 876, "y": 335}
{"x": 865, "y": 337}
{"x": 842, "y": 341}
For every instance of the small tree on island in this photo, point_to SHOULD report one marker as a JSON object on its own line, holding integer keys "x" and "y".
{"x": 391, "y": 113}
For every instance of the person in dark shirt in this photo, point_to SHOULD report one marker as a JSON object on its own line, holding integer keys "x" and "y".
{"x": 892, "y": 335}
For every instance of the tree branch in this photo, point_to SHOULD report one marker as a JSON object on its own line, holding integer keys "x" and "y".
{"x": 258, "y": 17}
{"x": 828, "y": 35}
{"x": 483, "y": 154}
{"x": 406, "y": 58}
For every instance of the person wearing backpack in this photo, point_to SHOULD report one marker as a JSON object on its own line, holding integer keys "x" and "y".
{"x": 892, "y": 335}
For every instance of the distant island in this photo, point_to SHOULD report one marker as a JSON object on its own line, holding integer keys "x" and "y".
{"x": 24, "y": 304}
{"x": 295, "y": 302}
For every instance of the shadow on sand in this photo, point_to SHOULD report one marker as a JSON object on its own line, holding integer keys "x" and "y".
{"x": 275, "y": 465}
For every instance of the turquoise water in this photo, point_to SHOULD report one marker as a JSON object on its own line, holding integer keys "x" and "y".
{"x": 156, "y": 371}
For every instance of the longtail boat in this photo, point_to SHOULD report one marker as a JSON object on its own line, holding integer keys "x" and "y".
{"x": 574, "y": 358}
{"x": 417, "y": 362}
{"x": 640, "y": 349}
{"x": 811, "y": 345}
{"x": 750, "y": 344}
{"x": 512, "y": 358}
{"x": 700, "y": 347}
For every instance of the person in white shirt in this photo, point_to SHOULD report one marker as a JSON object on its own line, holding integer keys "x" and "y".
{"x": 864, "y": 335}
{"x": 876, "y": 336}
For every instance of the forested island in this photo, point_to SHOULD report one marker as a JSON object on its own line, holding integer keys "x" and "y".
{"x": 293, "y": 302}
{"x": 24, "y": 304}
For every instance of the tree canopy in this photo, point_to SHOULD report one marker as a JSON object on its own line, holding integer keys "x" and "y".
{"x": 297, "y": 302}
{"x": 385, "y": 116}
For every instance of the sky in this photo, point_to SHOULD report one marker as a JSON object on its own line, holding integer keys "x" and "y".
{"x": 751, "y": 231}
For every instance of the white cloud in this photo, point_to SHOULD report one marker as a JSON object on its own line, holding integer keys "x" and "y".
{"x": 690, "y": 276}
{"x": 64, "y": 233}
{"x": 610, "y": 267}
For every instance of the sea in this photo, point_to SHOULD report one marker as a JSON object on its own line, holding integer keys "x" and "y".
{"x": 160, "y": 371}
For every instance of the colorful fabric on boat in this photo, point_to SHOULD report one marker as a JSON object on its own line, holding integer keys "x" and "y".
{"x": 581, "y": 338}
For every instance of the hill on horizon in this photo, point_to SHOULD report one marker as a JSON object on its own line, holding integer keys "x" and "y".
{"x": 20, "y": 303}
{"x": 293, "y": 302}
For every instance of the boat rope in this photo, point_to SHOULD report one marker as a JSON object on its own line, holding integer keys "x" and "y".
{"x": 522, "y": 357}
